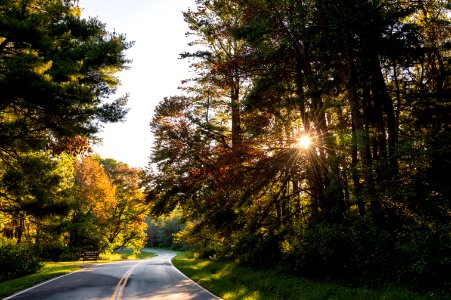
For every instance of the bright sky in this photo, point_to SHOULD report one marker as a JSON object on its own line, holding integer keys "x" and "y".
{"x": 158, "y": 29}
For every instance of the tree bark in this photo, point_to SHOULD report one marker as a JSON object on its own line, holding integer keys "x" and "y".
{"x": 236, "y": 118}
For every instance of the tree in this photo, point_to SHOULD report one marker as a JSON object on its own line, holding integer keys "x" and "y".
{"x": 368, "y": 82}
{"x": 126, "y": 225}
{"x": 56, "y": 70}
{"x": 219, "y": 62}
{"x": 162, "y": 232}
{"x": 91, "y": 206}
{"x": 31, "y": 203}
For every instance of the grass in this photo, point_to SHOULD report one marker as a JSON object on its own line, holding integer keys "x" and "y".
{"x": 50, "y": 270}
{"x": 229, "y": 281}
{"x": 129, "y": 254}
{"x": 55, "y": 269}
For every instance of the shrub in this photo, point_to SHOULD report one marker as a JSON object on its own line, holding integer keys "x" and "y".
{"x": 54, "y": 250}
{"x": 359, "y": 252}
{"x": 258, "y": 249}
{"x": 18, "y": 260}
{"x": 426, "y": 258}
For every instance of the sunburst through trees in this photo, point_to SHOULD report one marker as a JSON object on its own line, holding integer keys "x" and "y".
{"x": 369, "y": 81}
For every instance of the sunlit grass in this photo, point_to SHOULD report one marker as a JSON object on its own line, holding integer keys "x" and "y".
{"x": 130, "y": 254}
{"x": 230, "y": 281}
{"x": 55, "y": 269}
{"x": 50, "y": 270}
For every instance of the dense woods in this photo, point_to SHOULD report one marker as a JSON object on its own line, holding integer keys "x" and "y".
{"x": 315, "y": 135}
{"x": 57, "y": 198}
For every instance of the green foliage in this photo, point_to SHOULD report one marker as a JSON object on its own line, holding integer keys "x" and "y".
{"x": 126, "y": 225}
{"x": 57, "y": 68}
{"x": 368, "y": 202}
{"x": 56, "y": 251}
{"x": 50, "y": 270}
{"x": 357, "y": 251}
{"x": 161, "y": 232}
{"x": 56, "y": 72}
{"x": 39, "y": 198}
{"x": 425, "y": 258}
{"x": 258, "y": 250}
{"x": 231, "y": 281}
{"x": 17, "y": 260}
{"x": 360, "y": 251}
{"x": 107, "y": 206}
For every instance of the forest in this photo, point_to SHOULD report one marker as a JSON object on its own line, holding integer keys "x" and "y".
{"x": 313, "y": 136}
{"x": 58, "y": 198}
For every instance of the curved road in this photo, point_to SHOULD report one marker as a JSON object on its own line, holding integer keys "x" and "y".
{"x": 154, "y": 278}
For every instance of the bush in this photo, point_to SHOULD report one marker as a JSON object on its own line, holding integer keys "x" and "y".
{"x": 18, "y": 260}
{"x": 426, "y": 258}
{"x": 359, "y": 252}
{"x": 258, "y": 249}
{"x": 56, "y": 251}
{"x": 50, "y": 250}
{"x": 70, "y": 255}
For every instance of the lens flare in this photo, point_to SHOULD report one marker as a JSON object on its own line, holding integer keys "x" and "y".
{"x": 304, "y": 142}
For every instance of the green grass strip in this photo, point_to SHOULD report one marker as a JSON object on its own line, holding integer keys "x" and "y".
{"x": 129, "y": 254}
{"x": 230, "y": 281}
{"x": 50, "y": 270}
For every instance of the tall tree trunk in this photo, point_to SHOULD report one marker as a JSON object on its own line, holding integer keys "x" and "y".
{"x": 362, "y": 137}
{"x": 236, "y": 118}
{"x": 398, "y": 100}
{"x": 343, "y": 60}
{"x": 381, "y": 95}
{"x": 314, "y": 169}
{"x": 20, "y": 226}
{"x": 331, "y": 180}
{"x": 355, "y": 175}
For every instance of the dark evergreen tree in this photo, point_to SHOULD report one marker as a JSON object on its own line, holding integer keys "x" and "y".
{"x": 56, "y": 70}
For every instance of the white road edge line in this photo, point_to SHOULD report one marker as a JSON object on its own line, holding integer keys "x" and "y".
{"x": 170, "y": 261}
{"x": 207, "y": 291}
{"x": 39, "y": 284}
{"x": 50, "y": 280}
{"x": 56, "y": 278}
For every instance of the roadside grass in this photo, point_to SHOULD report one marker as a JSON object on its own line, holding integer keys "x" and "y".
{"x": 55, "y": 269}
{"x": 50, "y": 270}
{"x": 230, "y": 281}
{"x": 129, "y": 254}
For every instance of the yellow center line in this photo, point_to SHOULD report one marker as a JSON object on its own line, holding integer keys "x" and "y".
{"x": 120, "y": 287}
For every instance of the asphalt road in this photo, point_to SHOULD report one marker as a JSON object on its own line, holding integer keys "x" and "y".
{"x": 154, "y": 278}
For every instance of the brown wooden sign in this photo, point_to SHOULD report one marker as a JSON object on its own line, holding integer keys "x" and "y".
{"x": 90, "y": 255}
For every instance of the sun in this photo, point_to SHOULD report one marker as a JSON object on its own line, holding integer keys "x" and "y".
{"x": 304, "y": 142}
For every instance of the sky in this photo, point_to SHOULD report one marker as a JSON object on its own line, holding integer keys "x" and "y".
{"x": 158, "y": 30}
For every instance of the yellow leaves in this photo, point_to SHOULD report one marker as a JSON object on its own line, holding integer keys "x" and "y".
{"x": 76, "y": 11}
{"x": 65, "y": 169}
{"x": 42, "y": 68}
{"x": 286, "y": 247}
{"x": 109, "y": 194}
{"x": 186, "y": 236}
{"x": 95, "y": 191}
